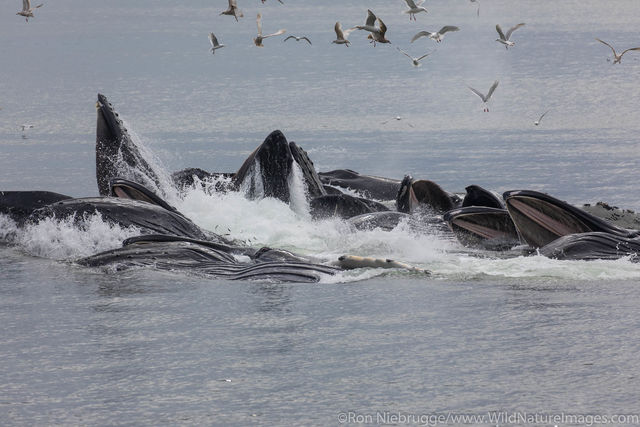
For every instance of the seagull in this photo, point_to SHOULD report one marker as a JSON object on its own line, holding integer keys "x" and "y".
{"x": 435, "y": 36}
{"x": 485, "y": 99}
{"x": 258, "y": 39}
{"x": 617, "y": 58}
{"x": 24, "y": 130}
{"x": 376, "y": 33}
{"x": 233, "y": 10}
{"x": 504, "y": 39}
{"x": 214, "y": 43}
{"x": 297, "y": 38}
{"x": 397, "y": 118}
{"x": 416, "y": 61}
{"x": 537, "y": 122}
{"x": 27, "y": 10}
{"x": 414, "y": 7}
{"x": 341, "y": 36}
{"x": 266, "y": 0}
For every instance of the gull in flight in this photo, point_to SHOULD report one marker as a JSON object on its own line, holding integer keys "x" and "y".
{"x": 414, "y": 7}
{"x": 297, "y": 38}
{"x": 617, "y": 58}
{"x": 438, "y": 36}
{"x": 484, "y": 98}
{"x": 27, "y": 10}
{"x": 341, "y": 36}
{"x": 504, "y": 39}
{"x": 24, "y": 130}
{"x": 397, "y": 118}
{"x": 537, "y": 122}
{"x": 416, "y": 61}
{"x": 258, "y": 39}
{"x": 376, "y": 33}
{"x": 233, "y": 10}
{"x": 214, "y": 43}
{"x": 266, "y": 0}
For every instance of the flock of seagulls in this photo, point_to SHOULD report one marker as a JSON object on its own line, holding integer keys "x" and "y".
{"x": 377, "y": 34}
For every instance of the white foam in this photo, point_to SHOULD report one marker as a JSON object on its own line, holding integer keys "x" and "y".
{"x": 62, "y": 239}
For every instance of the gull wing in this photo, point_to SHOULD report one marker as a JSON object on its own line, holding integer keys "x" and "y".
{"x": 280, "y": 1}
{"x": 491, "y": 89}
{"x": 339, "y": 32}
{"x": 277, "y": 33}
{"x": 627, "y": 50}
{"x": 383, "y": 28}
{"x": 420, "y": 34}
{"x": 371, "y": 18}
{"x": 424, "y": 56}
{"x": 40, "y": 5}
{"x": 26, "y": 5}
{"x": 543, "y": 114}
{"x": 512, "y": 29}
{"x": 405, "y": 53}
{"x": 213, "y": 40}
{"x": 611, "y": 47}
{"x": 500, "y": 33}
{"x": 411, "y": 4}
{"x": 478, "y": 93}
{"x": 259, "y": 23}
{"x": 290, "y": 37}
{"x": 448, "y": 28}
{"x": 305, "y": 38}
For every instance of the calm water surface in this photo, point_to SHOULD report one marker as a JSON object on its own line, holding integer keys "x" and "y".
{"x": 482, "y": 334}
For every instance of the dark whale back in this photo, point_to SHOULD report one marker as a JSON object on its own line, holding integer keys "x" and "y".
{"x": 20, "y": 204}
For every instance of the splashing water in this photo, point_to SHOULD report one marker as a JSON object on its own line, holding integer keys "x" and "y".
{"x": 64, "y": 239}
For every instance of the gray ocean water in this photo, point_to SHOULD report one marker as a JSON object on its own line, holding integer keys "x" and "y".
{"x": 521, "y": 335}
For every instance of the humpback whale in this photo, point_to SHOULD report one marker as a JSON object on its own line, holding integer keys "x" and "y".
{"x": 207, "y": 259}
{"x": 541, "y": 218}
{"x": 482, "y": 221}
{"x": 591, "y": 246}
{"x": 372, "y": 187}
{"x": 270, "y": 166}
{"x": 115, "y": 148}
{"x": 420, "y": 194}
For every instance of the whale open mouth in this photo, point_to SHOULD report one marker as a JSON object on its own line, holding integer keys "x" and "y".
{"x": 540, "y": 218}
{"x": 485, "y": 227}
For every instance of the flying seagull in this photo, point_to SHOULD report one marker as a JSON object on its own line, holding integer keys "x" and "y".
{"x": 233, "y": 10}
{"x": 416, "y": 61}
{"x": 258, "y": 39}
{"x": 414, "y": 7}
{"x": 297, "y": 38}
{"x": 214, "y": 43}
{"x": 504, "y": 39}
{"x": 341, "y": 36}
{"x": 438, "y": 36}
{"x": 484, "y": 98}
{"x": 537, "y": 122}
{"x": 397, "y": 118}
{"x": 27, "y": 10}
{"x": 376, "y": 34}
{"x": 266, "y": 0}
{"x": 617, "y": 58}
